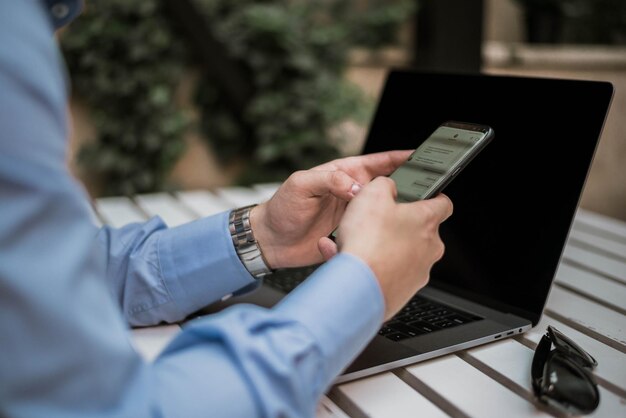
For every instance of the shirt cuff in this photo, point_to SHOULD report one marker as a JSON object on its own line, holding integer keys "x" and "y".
{"x": 342, "y": 305}
{"x": 199, "y": 263}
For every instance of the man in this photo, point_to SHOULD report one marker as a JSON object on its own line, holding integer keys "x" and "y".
{"x": 68, "y": 291}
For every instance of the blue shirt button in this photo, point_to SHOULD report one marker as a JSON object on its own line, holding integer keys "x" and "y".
{"x": 60, "y": 10}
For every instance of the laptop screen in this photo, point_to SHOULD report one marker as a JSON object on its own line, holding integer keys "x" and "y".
{"x": 514, "y": 204}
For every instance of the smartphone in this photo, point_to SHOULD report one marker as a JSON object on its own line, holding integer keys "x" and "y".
{"x": 435, "y": 163}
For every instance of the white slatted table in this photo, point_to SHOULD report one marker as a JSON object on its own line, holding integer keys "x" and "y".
{"x": 587, "y": 303}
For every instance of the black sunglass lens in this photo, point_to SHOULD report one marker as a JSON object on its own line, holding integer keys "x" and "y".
{"x": 570, "y": 386}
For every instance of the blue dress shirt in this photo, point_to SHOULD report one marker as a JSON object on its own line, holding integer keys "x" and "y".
{"x": 69, "y": 291}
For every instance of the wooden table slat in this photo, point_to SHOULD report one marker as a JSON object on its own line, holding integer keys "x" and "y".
{"x": 385, "y": 395}
{"x": 203, "y": 202}
{"x": 508, "y": 357}
{"x": 470, "y": 390}
{"x": 165, "y": 206}
{"x": 608, "y": 266}
{"x": 240, "y": 196}
{"x": 604, "y": 223}
{"x": 119, "y": 211}
{"x": 267, "y": 190}
{"x": 602, "y": 290}
{"x": 600, "y": 320}
{"x": 150, "y": 341}
{"x": 609, "y": 247}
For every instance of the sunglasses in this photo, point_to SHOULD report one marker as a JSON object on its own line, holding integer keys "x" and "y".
{"x": 561, "y": 377}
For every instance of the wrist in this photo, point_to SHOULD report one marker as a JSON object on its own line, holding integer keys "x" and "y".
{"x": 263, "y": 234}
{"x": 375, "y": 266}
{"x": 245, "y": 243}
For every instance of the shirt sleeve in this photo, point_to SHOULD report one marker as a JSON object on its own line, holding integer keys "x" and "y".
{"x": 66, "y": 347}
{"x": 156, "y": 273}
{"x": 285, "y": 357}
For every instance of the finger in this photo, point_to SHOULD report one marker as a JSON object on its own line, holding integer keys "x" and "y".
{"x": 441, "y": 205}
{"x": 327, "y": 248}
{"x": 385, "y": 163}
{"x": 320, "y": 183}
{"x": 383, "y": 186}
{"x": 366, "y": 167}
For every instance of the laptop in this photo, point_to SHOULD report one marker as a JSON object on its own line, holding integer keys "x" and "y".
{"x": 513, "y": 208}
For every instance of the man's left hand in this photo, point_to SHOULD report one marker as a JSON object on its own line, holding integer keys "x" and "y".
{"x": 292, "y": 227}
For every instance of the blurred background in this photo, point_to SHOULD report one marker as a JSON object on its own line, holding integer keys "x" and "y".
{"x": 191, "y": 94}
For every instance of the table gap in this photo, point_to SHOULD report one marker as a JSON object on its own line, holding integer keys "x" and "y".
{"x": 185, "y": 206}
{"x": 585, "y": 267}
{"x": 585, "y": 227}
{"x": 439, "y": 401}
{"x": 590, "y": 297}
{"x": 346, "y": 404}
{"x": 145, "y": 214}
{"x": 95, "y": 213}
{"x": 326, "y": 408}
{"x": 606, "y": 244}
{"x": 602, "y": 225}
{"x": 575, "y": 242}
{"x": 608, "y": 265}
{"x": 508, "y": 383}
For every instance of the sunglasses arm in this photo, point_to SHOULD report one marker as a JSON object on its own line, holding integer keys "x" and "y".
{"x": 539, "y": 360}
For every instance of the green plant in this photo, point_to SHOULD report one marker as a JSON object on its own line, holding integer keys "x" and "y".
{"x": 294, "y": 54}
{"x": 125, "y": 62}
{"x": 126, "y": 58}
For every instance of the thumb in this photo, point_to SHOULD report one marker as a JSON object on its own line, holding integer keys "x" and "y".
{"x": 327, "y": 248}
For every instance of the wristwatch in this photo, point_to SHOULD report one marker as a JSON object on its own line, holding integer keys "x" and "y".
{"x": 246, "y": 245}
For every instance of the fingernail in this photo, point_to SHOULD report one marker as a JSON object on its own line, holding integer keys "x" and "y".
{"x": 355, "y": 188}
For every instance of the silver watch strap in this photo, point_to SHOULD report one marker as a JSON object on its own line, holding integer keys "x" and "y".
{"x": 246, "y": 245}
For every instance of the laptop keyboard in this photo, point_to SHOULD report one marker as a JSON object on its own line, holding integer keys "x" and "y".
{"x": 422, "y": 316}
{"x": 288, "y": 279}
{"x": 419, "y": 316}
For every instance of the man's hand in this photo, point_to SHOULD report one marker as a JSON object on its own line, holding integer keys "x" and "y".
{"x": 292, "y": 227}
{"x": 399, "y": 241}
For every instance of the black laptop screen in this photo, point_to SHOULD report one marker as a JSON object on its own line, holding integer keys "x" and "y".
{"x": 514, "y": 204}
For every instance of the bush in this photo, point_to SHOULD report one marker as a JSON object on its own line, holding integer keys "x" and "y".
{"x": 126, "y": 58}
{"x": 295, "y": 54}
{"x": 125, "y": 63}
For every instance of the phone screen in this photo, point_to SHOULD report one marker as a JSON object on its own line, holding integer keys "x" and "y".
{"x": 438, "y": 159}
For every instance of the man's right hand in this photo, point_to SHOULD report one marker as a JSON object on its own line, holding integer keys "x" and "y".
{"x": 399, "y": 241}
